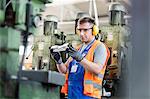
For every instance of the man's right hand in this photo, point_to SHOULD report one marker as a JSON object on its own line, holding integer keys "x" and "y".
{"x": 56, "y": 56}
{"x": 74, "y": 53}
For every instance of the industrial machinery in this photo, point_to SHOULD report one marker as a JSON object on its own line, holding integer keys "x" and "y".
{"x": 27, "y": 70}
{"x": 18, "y": 20}
{"x": 116, "y": 37}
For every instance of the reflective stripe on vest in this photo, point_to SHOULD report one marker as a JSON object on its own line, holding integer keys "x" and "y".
{"x": 95, "y": 85}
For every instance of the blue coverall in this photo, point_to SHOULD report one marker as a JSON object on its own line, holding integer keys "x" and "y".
{"x": 76, "y": 77}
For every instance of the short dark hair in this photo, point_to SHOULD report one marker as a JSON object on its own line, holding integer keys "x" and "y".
{"x": 86, "y": 19}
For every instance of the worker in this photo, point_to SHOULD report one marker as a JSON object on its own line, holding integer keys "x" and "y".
{"x": 86, "y": 67}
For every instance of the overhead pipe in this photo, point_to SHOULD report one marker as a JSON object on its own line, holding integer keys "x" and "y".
{"x": 90, "y": 7}
{"x": 95, "y": 12}
{"x": 92, "y": 4}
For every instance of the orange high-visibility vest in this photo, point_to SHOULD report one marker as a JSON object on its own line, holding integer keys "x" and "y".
{"x": 92, "y": 82}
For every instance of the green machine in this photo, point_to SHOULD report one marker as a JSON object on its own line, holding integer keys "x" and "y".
{"x": 17, "y": 21}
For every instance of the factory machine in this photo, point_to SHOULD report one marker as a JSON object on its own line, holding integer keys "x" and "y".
{"x": 19, "y": 79}
{"x": 27, "y": 70}
{"x": 116, "y": 37}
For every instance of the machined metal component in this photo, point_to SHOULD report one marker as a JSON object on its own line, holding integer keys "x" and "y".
{"x": 50, "y": 25}
{"x": 117, "y": 7}
{"x": 51, "y": 77}
{"x": 43, "y": 83}
{"x": 2, "y": 16}
{"x": 117, "y": 12}
{"x": 59, "y": 48}
{"x": 52, "y": 18}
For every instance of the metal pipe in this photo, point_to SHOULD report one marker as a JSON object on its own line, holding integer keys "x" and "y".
{"x": 95, "y": 12}
{"x": 90, "y": 7}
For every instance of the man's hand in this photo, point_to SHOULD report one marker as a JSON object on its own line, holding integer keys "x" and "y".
{"x": 56, "y": 56}
{"x": 74, "y": 53}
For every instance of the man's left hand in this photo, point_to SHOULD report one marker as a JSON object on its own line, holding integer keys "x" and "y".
{"x": 74, "y": 53}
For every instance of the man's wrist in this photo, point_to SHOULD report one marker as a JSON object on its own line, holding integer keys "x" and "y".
{"x": 59, "y": 61}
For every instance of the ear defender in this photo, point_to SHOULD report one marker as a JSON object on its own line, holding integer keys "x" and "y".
{"x": 95, "y": 30}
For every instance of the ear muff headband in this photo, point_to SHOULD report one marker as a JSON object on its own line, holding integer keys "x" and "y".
{"x": 95, "y": 30}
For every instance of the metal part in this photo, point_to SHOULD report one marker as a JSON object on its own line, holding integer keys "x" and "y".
{"x": 9, "y": 14}
{"x": 51, "y": 77}
{"x": 10, "y": 1}
{"x": 9, "y": 44}
{"x": 51, "y": 18}
{"x": 2, "y": 16}
{"x": 116, "y": 6}
{"x": 59, "y": 48}
{"x": 29, "y": 14}
{"x": 42, "y": 41}
{"x": 117, "y": 12}
{"x": 38, "y": 21}
{"x": 40, "y": 60}
{"x": 17, "y": 86}
{"x": 50, "y": 25}
{"x": 116, "y": 38}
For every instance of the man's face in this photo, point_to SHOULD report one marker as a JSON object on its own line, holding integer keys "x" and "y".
{"x": 85, "y": 32}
